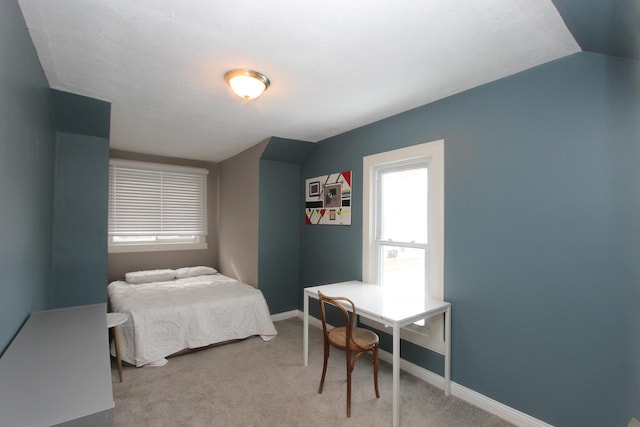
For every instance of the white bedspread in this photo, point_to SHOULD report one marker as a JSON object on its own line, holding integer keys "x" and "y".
{"x": 166, "y": 317}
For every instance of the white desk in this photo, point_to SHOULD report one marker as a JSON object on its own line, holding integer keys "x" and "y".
{"x": 57, "y": 370}
{"x": 380, "y": 304}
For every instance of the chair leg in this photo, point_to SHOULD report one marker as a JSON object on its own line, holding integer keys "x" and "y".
{"x": 349, "y": 370}
{"x": 375, "y": 370}
{"x": 324, "y": 366}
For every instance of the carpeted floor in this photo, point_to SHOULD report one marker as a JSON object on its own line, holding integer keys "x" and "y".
{"x": 257, "y": 383}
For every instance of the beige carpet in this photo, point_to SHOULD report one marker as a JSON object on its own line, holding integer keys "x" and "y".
{"x": 256, "y": 383}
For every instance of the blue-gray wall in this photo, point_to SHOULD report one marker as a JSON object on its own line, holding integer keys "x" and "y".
{"x": 79, "y": 250}
{"x": 81, "y": 115}
{"x": 27, "y": 139}
{"x": 542, "y": 239}
{"x": 280, "y": 215}
{"x": 279, "y": 234}
{"x": 80, "y": 206}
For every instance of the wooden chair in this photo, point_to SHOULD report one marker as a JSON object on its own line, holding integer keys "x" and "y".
{"x": 352, "y": 340}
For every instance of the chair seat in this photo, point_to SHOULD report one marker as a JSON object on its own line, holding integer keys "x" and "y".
{"x": 364, "y": 338}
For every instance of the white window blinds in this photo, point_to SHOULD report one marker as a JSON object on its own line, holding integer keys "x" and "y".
{"x": 152, "y": 199}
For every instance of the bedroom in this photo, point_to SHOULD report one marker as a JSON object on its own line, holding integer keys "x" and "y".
{"x": 553, "y": 256}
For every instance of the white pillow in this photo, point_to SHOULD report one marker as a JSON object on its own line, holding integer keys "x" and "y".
{"x": 184, "y": 272}
{"x": 148, "y": 276}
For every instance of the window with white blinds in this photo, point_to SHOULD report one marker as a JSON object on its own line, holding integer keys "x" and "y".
{"x": 155, "y": 206}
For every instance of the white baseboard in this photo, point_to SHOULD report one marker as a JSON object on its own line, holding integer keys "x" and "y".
{"x": 285, "y": 315}
{"x": 492, "y": 406}
{"x": 461, "y": 392}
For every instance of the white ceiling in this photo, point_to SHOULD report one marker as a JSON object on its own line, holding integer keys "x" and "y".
{"x": 334, "y": 65}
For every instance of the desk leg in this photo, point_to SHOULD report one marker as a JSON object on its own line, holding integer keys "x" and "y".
{"x": 305, "y": 332}
{"x": 396, "y": 375}
{"x": 447, "y": 354}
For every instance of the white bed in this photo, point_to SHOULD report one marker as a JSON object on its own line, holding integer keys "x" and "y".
{"x": 169, "y": 316}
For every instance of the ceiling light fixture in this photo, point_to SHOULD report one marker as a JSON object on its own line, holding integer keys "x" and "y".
{"x": 247, "y": 84}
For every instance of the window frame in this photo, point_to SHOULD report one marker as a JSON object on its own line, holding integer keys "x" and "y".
{"x": 431, "y": 335}
{"x": 161, "y": 241}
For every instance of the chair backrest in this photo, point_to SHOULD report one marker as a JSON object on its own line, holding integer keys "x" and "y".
{"x": 345, "y": 305}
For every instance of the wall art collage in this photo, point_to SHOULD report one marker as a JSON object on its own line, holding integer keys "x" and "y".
{"x": 328, "y": 199}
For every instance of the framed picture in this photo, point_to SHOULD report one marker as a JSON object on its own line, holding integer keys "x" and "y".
{"x": 314, "y": 188}
{"x": 333, "y": 195}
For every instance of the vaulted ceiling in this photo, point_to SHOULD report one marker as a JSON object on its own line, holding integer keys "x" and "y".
{"x": 333, "y": 65}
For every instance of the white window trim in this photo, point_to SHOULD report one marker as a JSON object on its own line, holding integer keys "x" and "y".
{"x": 200, "y": 240}
{"x": 430, "y": 336}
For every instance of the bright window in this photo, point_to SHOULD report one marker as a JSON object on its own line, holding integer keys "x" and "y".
{"x": 403, "y": 228}
{"x": 156, "y": 207}
{"x": 401, "y": 235}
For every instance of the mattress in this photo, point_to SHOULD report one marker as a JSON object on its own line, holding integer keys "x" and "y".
{"x": 167, "y": 317}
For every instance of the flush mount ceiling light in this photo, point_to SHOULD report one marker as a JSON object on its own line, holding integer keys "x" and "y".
{"x": 247, "y": 84}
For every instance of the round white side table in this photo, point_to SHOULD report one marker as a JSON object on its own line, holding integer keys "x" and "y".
{"x": 113, "y": 320}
